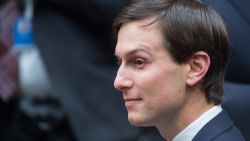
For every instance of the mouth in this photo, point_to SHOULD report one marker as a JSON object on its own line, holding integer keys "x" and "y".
{"x": 131, "y": 102}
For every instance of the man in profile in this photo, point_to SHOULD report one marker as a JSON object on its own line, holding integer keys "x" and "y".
{"x": 173, "y": 55}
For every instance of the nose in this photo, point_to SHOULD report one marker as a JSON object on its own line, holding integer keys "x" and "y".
{"x": 122, "y": 80}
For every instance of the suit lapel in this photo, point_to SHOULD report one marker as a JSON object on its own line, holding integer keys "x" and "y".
{"x": 213, "y": 128}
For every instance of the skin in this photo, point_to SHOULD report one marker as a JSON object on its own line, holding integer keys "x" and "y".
{"x": 156, "y": 90}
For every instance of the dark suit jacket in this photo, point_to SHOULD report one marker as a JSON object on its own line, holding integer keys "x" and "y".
{"x": 220, "y": 128}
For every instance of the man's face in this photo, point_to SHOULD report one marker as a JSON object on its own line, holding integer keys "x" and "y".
{"x": 153, "y": 85}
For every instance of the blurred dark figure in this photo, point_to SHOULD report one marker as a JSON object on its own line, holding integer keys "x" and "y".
{"x": 77, "y": 43}
{"x": 23, "y": 117}
{"x": 237, "y": 89}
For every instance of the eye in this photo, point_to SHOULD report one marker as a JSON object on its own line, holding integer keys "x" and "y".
{"x": 139, "y": 62}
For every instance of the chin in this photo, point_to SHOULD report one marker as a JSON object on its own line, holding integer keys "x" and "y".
{"x": 138, "y": 122}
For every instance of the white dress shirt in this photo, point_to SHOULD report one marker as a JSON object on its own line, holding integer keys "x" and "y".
{"x": 188, "y": 133}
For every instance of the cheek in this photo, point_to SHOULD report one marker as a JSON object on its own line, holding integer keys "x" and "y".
{"x": 164, "y": 87}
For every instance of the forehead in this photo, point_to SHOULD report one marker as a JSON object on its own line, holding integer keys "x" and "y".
{"x": 145, "y": 26}
{"x": 139, "y": 34}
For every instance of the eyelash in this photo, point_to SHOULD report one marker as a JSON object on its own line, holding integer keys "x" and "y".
{"x": 136, "y": 62}
{"x": 139, "y": 62}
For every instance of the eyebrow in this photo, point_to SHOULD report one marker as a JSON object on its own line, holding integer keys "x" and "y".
{"x": 134, "y": 51}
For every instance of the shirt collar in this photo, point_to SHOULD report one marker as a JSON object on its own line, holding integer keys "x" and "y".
{"x": 188, "y": 133}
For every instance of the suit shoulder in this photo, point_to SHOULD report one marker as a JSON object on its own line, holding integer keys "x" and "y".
{"x": 231, "y": 134}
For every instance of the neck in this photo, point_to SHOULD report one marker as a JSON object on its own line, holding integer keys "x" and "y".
{"x": 193, "y": 108}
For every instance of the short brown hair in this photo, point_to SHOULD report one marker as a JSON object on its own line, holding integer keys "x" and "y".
{"x": 188, "y": 26}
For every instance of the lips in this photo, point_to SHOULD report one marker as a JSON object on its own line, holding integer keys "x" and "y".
{"x": 130, "y": 102}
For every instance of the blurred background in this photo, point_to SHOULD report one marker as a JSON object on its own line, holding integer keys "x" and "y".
{"x": 57, "y": 70}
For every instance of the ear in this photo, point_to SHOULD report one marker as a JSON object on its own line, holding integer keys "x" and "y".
{"x": 199, "y": 64}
